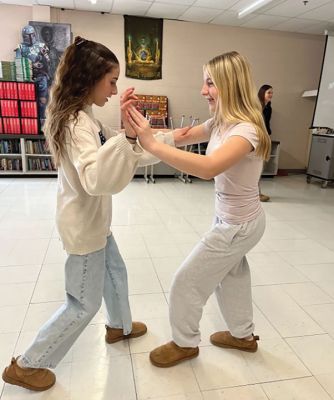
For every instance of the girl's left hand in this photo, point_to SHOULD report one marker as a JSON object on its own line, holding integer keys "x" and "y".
{"x": 141, "y": 126}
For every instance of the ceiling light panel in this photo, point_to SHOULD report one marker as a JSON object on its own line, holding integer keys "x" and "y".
{"x": 252, "y": 7}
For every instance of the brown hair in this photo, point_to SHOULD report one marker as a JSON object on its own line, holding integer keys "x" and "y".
{"x": 262, "y": 92}
{"x": 83, "y": 64}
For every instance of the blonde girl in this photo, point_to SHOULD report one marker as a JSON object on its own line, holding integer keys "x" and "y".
{"x": 238, "y": 144}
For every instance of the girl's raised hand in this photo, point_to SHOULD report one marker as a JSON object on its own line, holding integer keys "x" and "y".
{"x": 128, "y": 97}
{"x": 141, "y": 125}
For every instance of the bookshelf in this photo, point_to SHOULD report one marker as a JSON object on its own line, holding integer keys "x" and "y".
{"x": 25, "y": 155}
{"x": 22, "y": 146}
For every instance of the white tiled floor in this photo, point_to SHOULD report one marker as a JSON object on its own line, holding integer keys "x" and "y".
{"x": 156, "y": 226}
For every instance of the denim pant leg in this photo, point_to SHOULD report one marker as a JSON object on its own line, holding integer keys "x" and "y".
{"x": 115, "y": 294}
{"x": 84, "y": 277}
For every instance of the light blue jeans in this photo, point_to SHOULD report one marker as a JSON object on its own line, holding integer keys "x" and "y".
{"x": 88, "y": 279}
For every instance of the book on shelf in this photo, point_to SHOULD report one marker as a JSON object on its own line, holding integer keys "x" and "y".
{"x": 19, "y": 108}
{"x": 9, "y": 108}
{"x": 10, "y": 164}
{"x": 29, "y": 109}
{"x": 8, "y": 70}
{"x": 12, "y": 146}
{"x": 36, "y": 147}
{"x": 41, "y": 164}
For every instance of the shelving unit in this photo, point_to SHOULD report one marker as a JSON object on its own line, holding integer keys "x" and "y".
{"x": 155, "y": 108}
{"x": 18, "y": 108}
{"x": 22, "y": 144}
{"x": 28, "y": 160}
{"x": 270, "y": 167}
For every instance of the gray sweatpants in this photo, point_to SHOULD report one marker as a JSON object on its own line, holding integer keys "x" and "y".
{"x": 217, "y": 264}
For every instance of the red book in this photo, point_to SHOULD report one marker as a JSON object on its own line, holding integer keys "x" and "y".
{"x": 24, "y": 125}
{"x": 34, "y": 110}
{"x": 14, "y": 89}
{"x": 5, "y": 90}
{"x": 18, "y": 126}
{"x": 10, "y": 90}
{"x": 32, "y": 91}
{"x": 23, "y": 94}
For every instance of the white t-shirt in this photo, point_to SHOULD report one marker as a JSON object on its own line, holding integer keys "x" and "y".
{"x": 237, "y": 188}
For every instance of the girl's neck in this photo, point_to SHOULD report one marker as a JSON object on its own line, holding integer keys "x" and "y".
{"x": 88, "y": 109}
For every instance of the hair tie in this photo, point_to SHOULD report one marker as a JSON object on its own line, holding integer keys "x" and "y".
{"x": 78, "y": 41}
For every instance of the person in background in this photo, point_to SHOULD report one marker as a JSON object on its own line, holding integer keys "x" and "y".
{"x": 265, "y": 95}
{"x": 94, "y": 162}
{"x": 238, "y": 144}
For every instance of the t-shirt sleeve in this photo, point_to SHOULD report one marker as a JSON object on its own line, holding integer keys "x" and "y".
{"x": 208, "y": 126}
{"x": 247, "y": 131}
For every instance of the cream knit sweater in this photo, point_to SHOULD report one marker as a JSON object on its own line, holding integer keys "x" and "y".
{"x": 89, "y": 174}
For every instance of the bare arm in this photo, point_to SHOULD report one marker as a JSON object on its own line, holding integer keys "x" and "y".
{"x": 203, "y": 166}
{"x": 194, "y": 135}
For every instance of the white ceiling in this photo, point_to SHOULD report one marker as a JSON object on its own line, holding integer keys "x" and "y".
{"x": 284, "y": 15}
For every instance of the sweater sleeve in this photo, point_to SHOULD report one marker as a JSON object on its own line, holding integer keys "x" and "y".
{"x": 103, "y": 169}
{"x": 148, "y": 158}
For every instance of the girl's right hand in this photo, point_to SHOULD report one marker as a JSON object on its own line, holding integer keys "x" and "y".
{"x": 128, "y": 97}
{"x": 141, "y": 126}
{"x": 128, "y": 94}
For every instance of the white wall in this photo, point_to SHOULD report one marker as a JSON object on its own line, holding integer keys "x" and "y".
{"x": 289, "y": 62}
{"x": 12, "y": 20}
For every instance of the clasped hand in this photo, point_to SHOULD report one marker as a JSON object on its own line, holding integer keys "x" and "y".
{"x": 137, "y": 123}
{"x": 127, "y": 97}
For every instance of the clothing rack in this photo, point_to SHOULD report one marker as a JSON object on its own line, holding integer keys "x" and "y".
{"x": 150, "y": 177}
{"x": 149, "y": 169}
{"x": 184, "y": 177}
